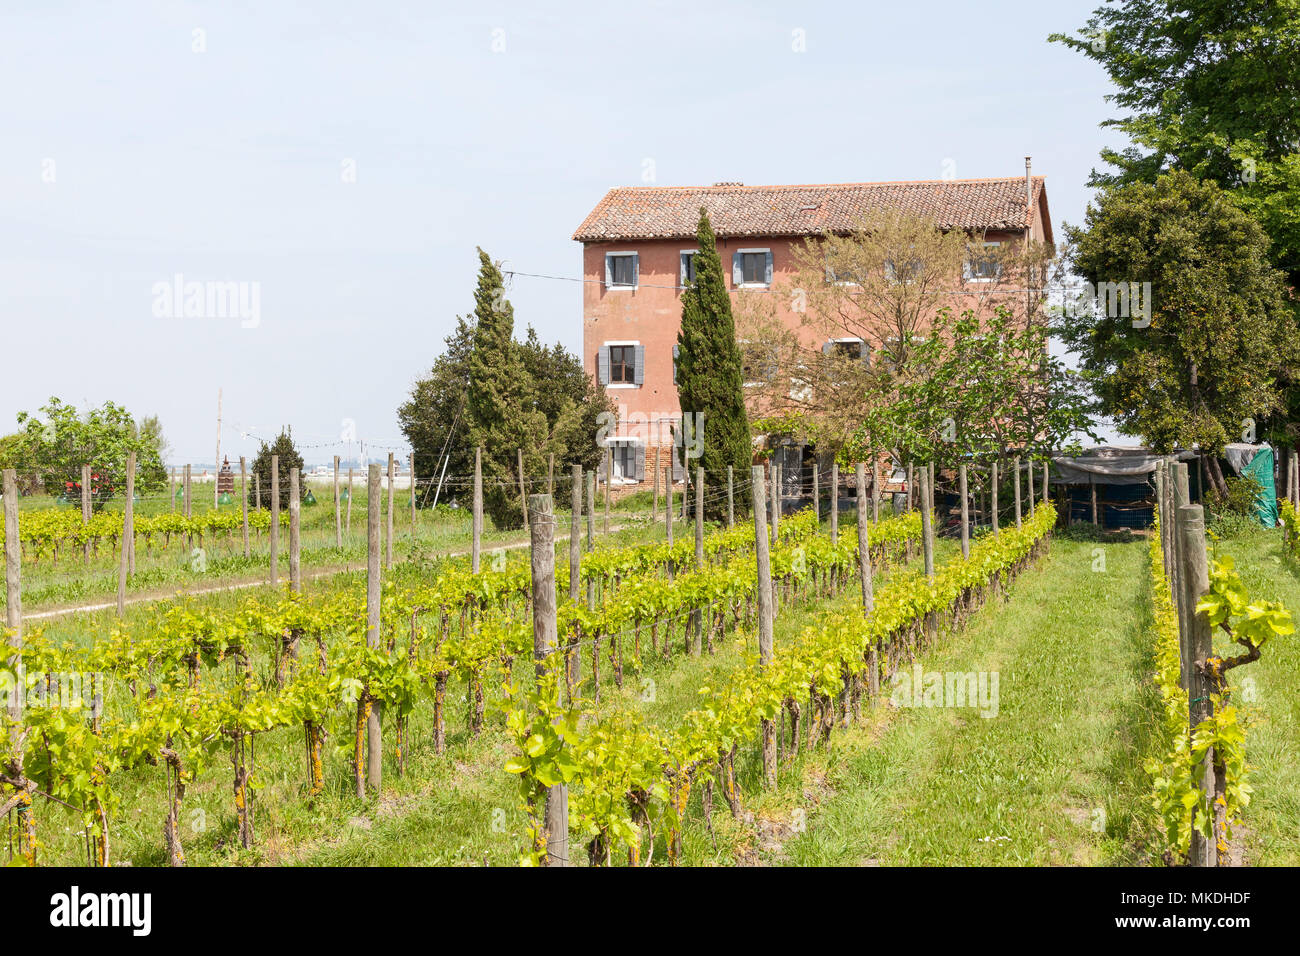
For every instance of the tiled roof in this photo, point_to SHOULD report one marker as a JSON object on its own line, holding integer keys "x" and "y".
{"x": 671, "y": 212}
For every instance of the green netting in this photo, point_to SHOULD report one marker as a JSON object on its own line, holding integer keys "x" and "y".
{"x": 1261, "y": 466}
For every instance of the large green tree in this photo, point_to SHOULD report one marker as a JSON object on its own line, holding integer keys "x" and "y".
{"x": 1212, "y": 87}
{"x": 58, "y": 441}
{"x": 289, "y": 458}
{"x": 710, "y": 375}
{"x": 1216, "y": 334}
{"x": 517, "y": 396}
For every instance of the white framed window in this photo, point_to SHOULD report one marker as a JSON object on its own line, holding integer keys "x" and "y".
{"x": 621, "y": 364}
{"x": 985, "y": 267}
{"x": 622, "y": 270}
{"x": 628, "y": 456}
{"x": 848, "y": 348}
{"x": 751, "y": 268}
{"x": 907, "y": 271}
{"x": 686, "y": 273}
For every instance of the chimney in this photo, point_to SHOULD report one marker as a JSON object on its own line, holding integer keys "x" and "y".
{"x": 1029, "y": 189}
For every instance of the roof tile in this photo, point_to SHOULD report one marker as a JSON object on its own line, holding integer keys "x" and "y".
{"x": 671, "y": 212}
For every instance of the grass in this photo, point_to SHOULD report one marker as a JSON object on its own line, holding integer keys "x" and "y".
{"x": 1054, "y": 778}
{"x": 1266, "y": 693}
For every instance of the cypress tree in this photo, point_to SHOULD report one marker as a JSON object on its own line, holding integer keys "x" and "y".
{"x": 710, "y": 377}
{"x": 499, "y": 405}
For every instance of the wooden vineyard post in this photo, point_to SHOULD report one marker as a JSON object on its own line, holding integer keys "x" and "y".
{"x": 257, "y": 491}
{"x": 816, "y": 497}
{"x": 668, "y": 520}
{"x": 765, "y": 614}
{"x": 374, "y": 716}
{"x": 523, "y": 487}
{"x": 654, "y": 471}
{"x": 864, "y": 571}
{"x": 911, "y": 477}
{"x": 575, "y": 536}
{"x": 609, "y": 482}
{"x": 1092, "y": 487}
{"x": 835, "y": 502}
{"x": 546, "y": 643}
{"x": 128, "y": 530}
{"x": 476, "y": 548}
{"x": 1176, "y": 493}
{"x": 864, "y": 541}
{"x": 775, "y": 497}
{"x": 927, "y": 525}
{"x": 171, "y": 487}
{"x": 1200, "y": 645}
{"x": 1047, "y": 488}
{"x": 697, "y": 615}
{"x": 295, "y": 532}
{"x": 1016, "y": 488}
{"x": 993, "y": 495}
{"x": 575, "y": 564}
{"x": 410, "y": 463}
{"x": 13, "y": 582}
{"x": 930, "y": 483}
{"x": 591, "y": 535}
{"x": 185, "y": 501}
{"x": 550, "y": 475}
{"x": 338, "y": 507}
{"x": 275, "y": 520}
{"x": 875, "y": 489}
{"x": 388, "y": 531}
{"x": 347, "y": 515}
{"x": 965, "y": 510}
{"x": 731, "y": 499}
{"x": 85, "y": 508}
{"x": 243, "y": 500}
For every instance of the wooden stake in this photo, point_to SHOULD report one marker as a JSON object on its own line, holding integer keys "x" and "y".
{"x": 835, "y": 501}
{"x": 927, "y": 524}
{"x": 392, "y": 495}
{"x": 1016, "y": 487}
{"x": 347, "y": 516}
{"x": 374, "y": 590}
{"x": 609, "y": 482}
{"x": 864, "y": 541}
{"x": 654, "y": 470}
{"x": 13, "y": 582}
{"x": 993, "y": 496}
{"x": 86, "y": 507}
{"x": 338, "y": 513}
{"x": 476, "y": 551}
{"x": 243, "y": 499}
{"x": 295, "y": 532}
{"x": 765, "y": 614}
{"x": 965, "y": 510}
{"x": 546, "y": 643}
{"x": 1200, "y": 646}
{"x": 575, "y": 536}
{"x": 128, "y": 530}
{"x": 275, "y": 520}
{"x": 816, "y": 496}
{"x": 410, "y": 463}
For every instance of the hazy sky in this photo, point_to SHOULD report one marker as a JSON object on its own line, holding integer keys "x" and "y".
{"x": 342, "y": 160}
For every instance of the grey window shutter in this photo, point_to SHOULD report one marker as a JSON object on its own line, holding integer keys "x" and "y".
{"x": 639, "y": 474}
{"x": 677, "y": 351}
{"x": 866, "y": 355}
{"x": 639, "y": 369}
{"x": 737, "y": 269}
{"x": 602, "y": 365}
{"x": 636, "y": 268}
{"x": 826, "y": 347}
{"x": 679, "y": 470}
{"x": 767, "y": 273}
{"x": 609, "y": 271}
{"x": 682, "y": 264}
